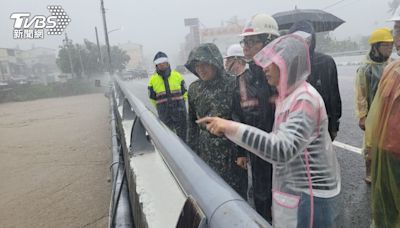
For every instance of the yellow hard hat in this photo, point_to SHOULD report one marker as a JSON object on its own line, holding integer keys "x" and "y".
{"x": 381, "y": 35}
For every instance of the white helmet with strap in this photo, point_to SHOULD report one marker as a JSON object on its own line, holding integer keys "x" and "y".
{"x": 261, "y": 24}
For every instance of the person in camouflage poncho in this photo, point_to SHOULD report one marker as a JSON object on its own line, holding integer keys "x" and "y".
{"x": 211, "y": 95}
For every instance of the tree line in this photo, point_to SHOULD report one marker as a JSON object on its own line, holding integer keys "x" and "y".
{"x": 87, "y": 60}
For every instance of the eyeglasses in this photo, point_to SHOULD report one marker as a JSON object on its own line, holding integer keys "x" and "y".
{"x": 249, "y": 42}
{"x": 386, "y": 44}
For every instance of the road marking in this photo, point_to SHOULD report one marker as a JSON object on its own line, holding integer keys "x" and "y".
{"x": 348, "y": 147}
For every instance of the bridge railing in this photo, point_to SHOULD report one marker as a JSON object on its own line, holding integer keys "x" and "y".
{"x": 221, "y": 205}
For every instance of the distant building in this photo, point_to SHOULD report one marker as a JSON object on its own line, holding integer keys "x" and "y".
{"x": 222, "y": 36}
{"x": 40, "y": 60}
{"x": 135, "y": 52}
{"x": 37, "y": 64}
{"x": 10, "y": 65}
{"x": 41, "y": 63}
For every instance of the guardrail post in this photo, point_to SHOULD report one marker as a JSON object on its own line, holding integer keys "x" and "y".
{"x": 127, "y": 112}
{"x": 140, "y": 140}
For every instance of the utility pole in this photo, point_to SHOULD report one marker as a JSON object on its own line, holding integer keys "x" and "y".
{"x": 80, "y": 59}
{"x": 67, "y": 44}
{"x": 103, "y": 11}
{"x": 1, "y": 71}
{"x": 98, "y": 47}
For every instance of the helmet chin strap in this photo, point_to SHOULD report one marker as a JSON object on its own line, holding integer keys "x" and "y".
{"x": 230, "y": 66}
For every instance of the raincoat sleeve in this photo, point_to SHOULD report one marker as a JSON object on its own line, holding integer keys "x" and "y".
{"x": 284, "y": 143}
{"x": 361, "y": 94}
{"x": 184, "y": 90}
{"x": 336, "y": 106}
{"x": 193, "y": 132}
{"x": 152, "y": 93}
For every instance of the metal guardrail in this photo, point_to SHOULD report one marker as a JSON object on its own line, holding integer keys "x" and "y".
{"x": 120, "y": 210}
{"x": 221, "y": 205}
{"x": 348, "y": 53}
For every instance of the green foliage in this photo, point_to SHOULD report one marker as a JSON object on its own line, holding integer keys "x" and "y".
{"x": 86, "y": 59}
{"x": 119, "y": 58}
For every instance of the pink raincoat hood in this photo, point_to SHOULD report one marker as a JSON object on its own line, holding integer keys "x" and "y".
{"x": 290, "y": 53}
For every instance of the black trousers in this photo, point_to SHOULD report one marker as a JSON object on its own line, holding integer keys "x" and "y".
{"x": 177, "y": 123}
{"x": 262, "y": 186}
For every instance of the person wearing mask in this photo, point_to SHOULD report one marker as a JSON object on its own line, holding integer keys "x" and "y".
{"x": 306, "y": 175}
{"x": 167, "y": 92}
{"x": 252, "y": 105}
{"x": 324, "y": 78}
{"x": 211, "y": 95}
{"x": 235, "y": 62}
{"x": 367, "y": 80}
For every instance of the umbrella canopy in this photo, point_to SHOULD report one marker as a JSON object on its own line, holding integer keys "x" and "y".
{"x": 321, "y": 20}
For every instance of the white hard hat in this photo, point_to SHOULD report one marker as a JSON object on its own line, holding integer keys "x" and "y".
{"x": 235, "y": 50}
{"x": 259, "y": 24}
{"x": 396, "y": 15}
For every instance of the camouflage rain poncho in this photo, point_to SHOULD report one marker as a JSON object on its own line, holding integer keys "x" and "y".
{"x": 213, "y": 98}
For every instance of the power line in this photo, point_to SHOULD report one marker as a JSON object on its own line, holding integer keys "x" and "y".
{"x": 342, "y": 6}
{"x": 334, "y": 4}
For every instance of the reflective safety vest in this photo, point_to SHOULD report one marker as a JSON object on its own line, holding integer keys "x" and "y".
{"x": 159, "y": 94}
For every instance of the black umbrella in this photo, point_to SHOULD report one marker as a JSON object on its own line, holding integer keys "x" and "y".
{"x": 321, "y": 20}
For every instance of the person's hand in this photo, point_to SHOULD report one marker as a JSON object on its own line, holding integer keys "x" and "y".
{"x": 333, "y": 135}
{"x": 215, "y": 125}
{"x": 361, "y": 123}
{"x": 242, "y": 162}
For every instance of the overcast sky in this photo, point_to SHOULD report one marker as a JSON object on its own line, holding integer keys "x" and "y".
{"x": 158, "y": 24}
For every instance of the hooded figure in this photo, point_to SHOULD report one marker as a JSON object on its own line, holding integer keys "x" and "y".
{"x": 167, "y": 92}
{"x": 324, "y": 78}
{"x": 383, "y": 131}
{"x": 213, "y": 97}
{"x": 306, "y": 176}
{"x": 367, "y": 80}
{"x": 371, "y": 69}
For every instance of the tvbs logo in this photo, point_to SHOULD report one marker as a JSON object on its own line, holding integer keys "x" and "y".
{"x": 28, "y": 27}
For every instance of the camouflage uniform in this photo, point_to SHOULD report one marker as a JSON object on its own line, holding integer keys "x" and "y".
{"x": 213, "y": 98}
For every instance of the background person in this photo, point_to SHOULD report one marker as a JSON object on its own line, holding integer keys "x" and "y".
{"x": 167, "y": 92}
{"x": 235, "y": 62}
{"x": 324, "y": 78}
{"x": 252, "y": 105}
{"x": 367, "y": 80}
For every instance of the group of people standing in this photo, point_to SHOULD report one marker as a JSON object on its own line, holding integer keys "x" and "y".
{"x": 268, "y": 131}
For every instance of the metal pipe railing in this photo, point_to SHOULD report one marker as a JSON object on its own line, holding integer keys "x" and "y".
{"x": 120, "y": 210}
{"x": 222, "y": 206}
